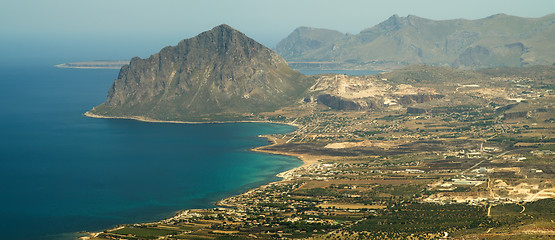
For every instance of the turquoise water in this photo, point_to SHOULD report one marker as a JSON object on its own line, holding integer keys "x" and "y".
{"x": 62, "y": 172}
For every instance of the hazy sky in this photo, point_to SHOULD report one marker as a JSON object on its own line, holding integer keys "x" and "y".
{"x": 128, "y": 25}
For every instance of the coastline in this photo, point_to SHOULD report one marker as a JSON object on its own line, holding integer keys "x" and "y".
{"x": 305, "y": 158}
{"x": 85, "y": 67}
{"x": 151, "y": 120}
{"x": 115, "y": 64}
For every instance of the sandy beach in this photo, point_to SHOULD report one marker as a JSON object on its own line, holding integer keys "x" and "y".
{"x": 151, "y": 120}
{"x": 306, "y": 158}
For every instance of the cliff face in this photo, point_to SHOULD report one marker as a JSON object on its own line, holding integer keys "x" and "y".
{"x": 218, "y": 72}
{"x": 499, "y": 40}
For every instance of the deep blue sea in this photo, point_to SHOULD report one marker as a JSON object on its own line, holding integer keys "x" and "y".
{"x": 62, "y": 172}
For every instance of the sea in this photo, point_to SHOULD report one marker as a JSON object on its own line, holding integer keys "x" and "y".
{"x": 62, "y": 172}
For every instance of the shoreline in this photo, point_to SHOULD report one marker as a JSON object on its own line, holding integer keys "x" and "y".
{"x": 85, "y": 67}
{"x": 305, "y": 158}
{"x": 98, "y": 64}
{"x": 151, "y": 120}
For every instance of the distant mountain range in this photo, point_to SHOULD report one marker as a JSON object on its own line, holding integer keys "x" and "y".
{"x": 496, "y": 41}
{"x": 220, "y": 74}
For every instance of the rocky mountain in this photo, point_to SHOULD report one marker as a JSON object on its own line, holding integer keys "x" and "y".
{"x": 499, "y": 40}
{"x": 304, "y": 39}
{"x": 220, "y": 74}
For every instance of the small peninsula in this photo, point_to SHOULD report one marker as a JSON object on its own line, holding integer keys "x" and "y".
{"x": 219, "y": 75}
{"x": 95, "y": 64}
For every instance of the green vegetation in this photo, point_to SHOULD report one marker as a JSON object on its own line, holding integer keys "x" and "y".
{"x": 424, "y": 218}
{"x": 144, "y": 232}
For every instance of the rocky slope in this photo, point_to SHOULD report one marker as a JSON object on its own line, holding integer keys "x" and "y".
{"x": 305, "y": 39}
{"x": 220, "y": 74}
{"x": 499, "y": 40}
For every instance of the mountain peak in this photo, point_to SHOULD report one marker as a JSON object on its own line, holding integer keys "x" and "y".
{"x": 223, "y": 28}
{"x": 392, "y": 23}
{"x": 393, "y": 17}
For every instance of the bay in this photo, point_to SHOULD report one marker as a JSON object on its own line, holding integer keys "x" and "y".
{"x": 63, "y": 172}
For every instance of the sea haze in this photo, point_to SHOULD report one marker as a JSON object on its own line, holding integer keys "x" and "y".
{"x": 62, "y": 172}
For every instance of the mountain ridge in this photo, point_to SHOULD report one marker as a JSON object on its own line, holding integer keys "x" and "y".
{"x": 495, "y": 41}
